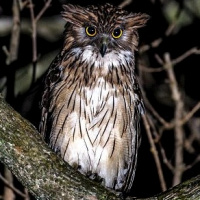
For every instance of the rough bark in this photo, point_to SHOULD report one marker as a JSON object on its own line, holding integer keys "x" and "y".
{"x": 46, "y": 176}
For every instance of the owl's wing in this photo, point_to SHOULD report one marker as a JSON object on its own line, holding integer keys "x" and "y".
{"x": 135, "y": 146}
{"x": 54, "y": 74}
{"x": 136, "y": 140}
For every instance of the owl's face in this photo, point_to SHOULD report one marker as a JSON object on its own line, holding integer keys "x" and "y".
{"x": 102, "y": 31}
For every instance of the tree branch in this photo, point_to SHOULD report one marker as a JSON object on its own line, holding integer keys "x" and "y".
{"x": 47, "y": 176}
{"x": 178, "y": 114}
{"x": 44, "y": 174}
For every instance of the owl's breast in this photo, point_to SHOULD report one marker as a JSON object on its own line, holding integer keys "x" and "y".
{"x": 94, "y": 128}
{"x": 97, "y": 96}
{"x": 110, "y": 131}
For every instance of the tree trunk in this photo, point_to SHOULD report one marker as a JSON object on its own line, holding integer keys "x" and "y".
{"x": 47, "y": 176}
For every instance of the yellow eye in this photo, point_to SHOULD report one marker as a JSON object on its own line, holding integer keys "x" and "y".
{"x": 117, "y": 33}
{"x": 91, "y": 31}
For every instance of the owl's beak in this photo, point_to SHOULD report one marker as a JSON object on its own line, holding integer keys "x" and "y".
{"x": 104, "y": 46}
{"x": 103, "y": 49}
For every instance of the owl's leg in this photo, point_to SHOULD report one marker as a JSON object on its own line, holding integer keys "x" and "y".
{"x": 95, "y": 177}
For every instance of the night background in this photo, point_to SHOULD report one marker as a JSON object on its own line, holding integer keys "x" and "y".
{"x": 170, "y": 38}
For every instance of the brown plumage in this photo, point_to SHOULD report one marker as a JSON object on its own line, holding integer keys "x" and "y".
{"x": 91, "y": 104}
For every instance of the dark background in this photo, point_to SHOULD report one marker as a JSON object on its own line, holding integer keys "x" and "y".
{"x": 183, "y": 38}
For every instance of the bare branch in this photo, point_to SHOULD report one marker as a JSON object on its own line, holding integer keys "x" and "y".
{"x": 11, "y": 186}
{"x": 165, "y": 160}
{"x": 178, "y": 114}
{"x": 125, "y": 3}
{"x": 187, "y": 117}
{"x": 15, "y": 34}
{"x": 175, "y": 61}
{"x": 46, "y": 6}
{"x": 194, "y": 163}
{"x": 34, "y": 21}
{"x": 8, "y": 192}
{"x": 194, "y": 50}
{"x": 154, "y": 152}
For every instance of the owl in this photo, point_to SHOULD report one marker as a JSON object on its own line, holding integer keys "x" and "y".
{"x": 91, "y": 105}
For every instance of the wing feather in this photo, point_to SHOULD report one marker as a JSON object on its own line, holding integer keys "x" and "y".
{"x": 135, "y": 143}
{"x": 53, "y": 75}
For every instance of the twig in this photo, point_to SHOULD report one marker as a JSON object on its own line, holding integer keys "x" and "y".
{"x": 150, "y": 69}
{"x": 154, "y": 152}
{"x": 12, "y": 54}
{"x": 153, "y": 44}
{"x": 154, "y": 131}
{"x": 34, "y": 33}
{"x": 178, "y": 114}
{"x": 187, "y": 117}
{"x": 26, "y": 194}
{"x": 154, "y": 112}
{"x": 12, "y": 187}
{"x": 175, "y": 61}
{"x": 45, "y": 7}
{"x": 158, "y": 41}
{"x": 125, "y": 3}
{"x": 184, "y": 119}
{"x": 193, "y": 50}
{"x": 165, "y": 160}
{"x": 34, "y": 21}
{"x": 23, "y": 4}
{"x": 194, "y": 163}
{"x": 8, "y": 192}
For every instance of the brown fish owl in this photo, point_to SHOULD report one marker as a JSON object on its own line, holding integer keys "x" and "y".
{"x": 91, "y": 105}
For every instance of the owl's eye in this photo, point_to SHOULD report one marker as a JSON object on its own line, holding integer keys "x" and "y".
{"x": 91, "y": 31}
{"x": 117, "y": 33}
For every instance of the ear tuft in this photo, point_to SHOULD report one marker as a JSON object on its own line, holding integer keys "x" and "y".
{"x": 76, "y": 14}
{"x": 137, "y": 20}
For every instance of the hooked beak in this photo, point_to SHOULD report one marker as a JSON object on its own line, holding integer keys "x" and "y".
{"x": 104, "y": 46}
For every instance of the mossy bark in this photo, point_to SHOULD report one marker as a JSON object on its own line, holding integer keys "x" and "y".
{"x": 47, "y": 176}
{"x": 43, "y": 173}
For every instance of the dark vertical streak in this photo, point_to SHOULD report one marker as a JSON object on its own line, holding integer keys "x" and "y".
{"x": 56, "y": 122}
{"x": 113, "y": 106}
{"x": 115, "y": 117}
{"x": 74, "y": 102}
{"x": 100, "y": 123}
{"x": 124, "y": 127}
{"x": 97, "y": 137}
{"x": 87, "y": 152}
{"x": 99, "y": 158}
{"x": 66, "y": 148}
{"x": 70, "y": 98}
{"x": 100, "y": 96}
{"x": 113, "y": 148}
{"x": 73, "y": 135}
{"x": 117, "y": 76}
{"x": 85, "y": 114}
{"x": 105, "y": 129}
{"x": 80, "y": 104}
{"x": 81, "y": 133}
{"x": 89, "y": 137}
{"x": 111, "y": 77}
{"x": 58, "y": 91}
{"x": 132, "y": 166}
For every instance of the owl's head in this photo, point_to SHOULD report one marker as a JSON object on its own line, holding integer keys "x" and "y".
{"x": 102, "y": 29}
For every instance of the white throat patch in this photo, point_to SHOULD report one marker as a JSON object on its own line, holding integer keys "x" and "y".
{"x": 111, "y": 59}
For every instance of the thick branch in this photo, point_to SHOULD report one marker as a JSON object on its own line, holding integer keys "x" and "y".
{"x": 36, "y": 166}
{"x": 46, "y": 176}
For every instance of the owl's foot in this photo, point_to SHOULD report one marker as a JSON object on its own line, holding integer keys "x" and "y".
{"x": 94, "y": 176}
